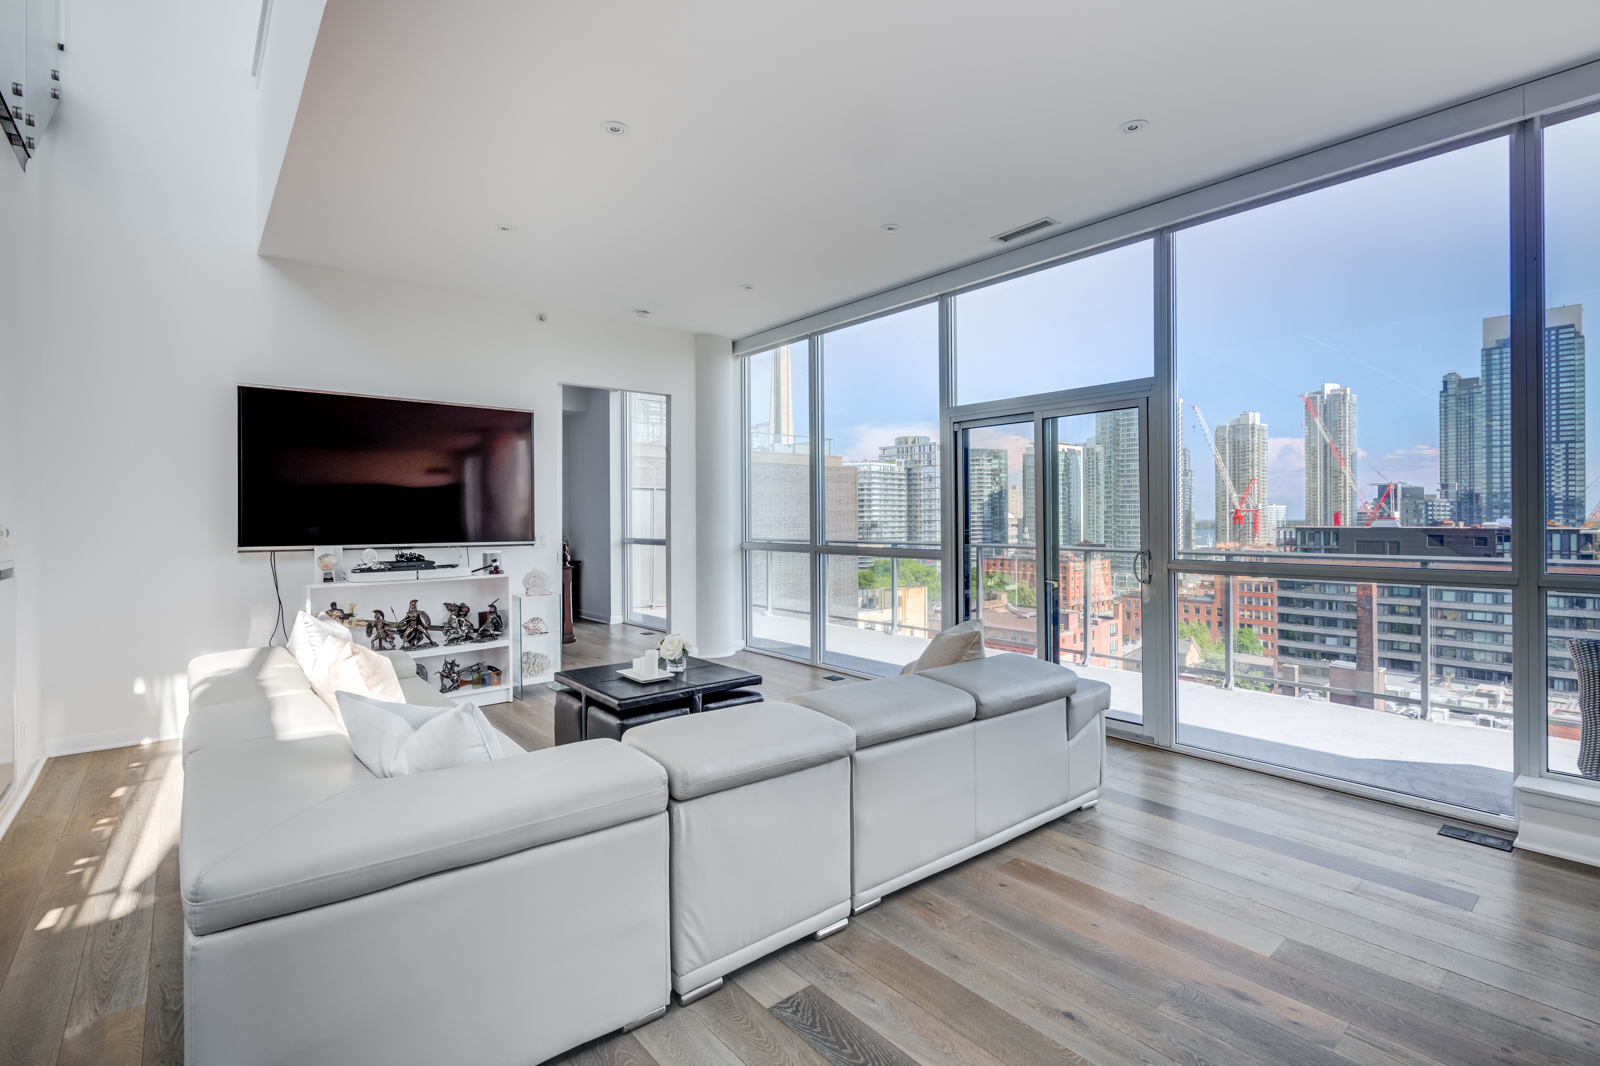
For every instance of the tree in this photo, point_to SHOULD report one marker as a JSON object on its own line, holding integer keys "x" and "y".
{"x": 913, "y": 574}
{"x": 1200, "y": 634}
{"x": 1246, "y": 642}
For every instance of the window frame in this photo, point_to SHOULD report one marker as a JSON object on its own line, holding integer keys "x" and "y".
{"x": 1520, "y": 113}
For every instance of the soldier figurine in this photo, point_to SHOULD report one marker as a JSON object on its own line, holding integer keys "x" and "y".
{"x": 414, "y": 629}
{"x": 457, "y": 629}
{"x": 449, "y": 676}
{"x": 344, "y": 618}
{"x": 381, "y": 631}
{"x": 494, "y": 626}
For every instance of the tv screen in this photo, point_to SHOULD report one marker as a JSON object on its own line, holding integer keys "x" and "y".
{"x": 326, "y": 468}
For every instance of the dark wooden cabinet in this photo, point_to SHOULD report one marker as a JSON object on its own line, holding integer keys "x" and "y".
{"x": 569, "y": 609}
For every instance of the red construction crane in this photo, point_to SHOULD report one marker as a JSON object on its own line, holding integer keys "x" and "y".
{"x": 1372, "y": 515}
{"x": 1366, "y": 506}
{"x": 1239, "y": 508}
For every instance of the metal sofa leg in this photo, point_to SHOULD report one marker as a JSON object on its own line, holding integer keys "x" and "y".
{"x": 828, "y": 930}
{"x": 686, "y": 998}
{"x": 645, "y": 1019}
{"x": 868, "y": 905}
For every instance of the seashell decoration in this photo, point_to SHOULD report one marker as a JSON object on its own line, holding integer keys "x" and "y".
{"x": 535, "y": 626}
{"x": 536, "y": 583}
{"x": 534, "y": 663}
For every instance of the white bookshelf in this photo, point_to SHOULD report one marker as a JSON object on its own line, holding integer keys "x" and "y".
{"x": 393, "y": 597}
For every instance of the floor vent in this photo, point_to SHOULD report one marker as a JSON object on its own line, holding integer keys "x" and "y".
{"x": 1022, "y": 231}
{"x": 1474, "y": 837}
{"x": 833, "y": 677}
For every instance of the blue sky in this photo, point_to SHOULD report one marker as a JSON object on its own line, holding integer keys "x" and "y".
{"x": 1380, "y": 284}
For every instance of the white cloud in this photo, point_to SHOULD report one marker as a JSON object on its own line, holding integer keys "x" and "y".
{"x": 861, "y": 443}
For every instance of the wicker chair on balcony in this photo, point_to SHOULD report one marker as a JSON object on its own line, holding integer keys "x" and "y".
{"x": 1586, "y": 657}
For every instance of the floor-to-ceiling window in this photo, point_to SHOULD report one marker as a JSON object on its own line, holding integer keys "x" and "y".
{"x": 863, "y": 533}
{"x": 1343, "y": 359}
{"x": 644, "y": 502}
{"x": 1571, "y": 434}
{"x": 1350, "y": 416}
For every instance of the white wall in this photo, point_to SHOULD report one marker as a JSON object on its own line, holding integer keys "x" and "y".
{"x": 720, "y": 590}
{"x": 155, "y": 306}
{"x": 20, "y": 445}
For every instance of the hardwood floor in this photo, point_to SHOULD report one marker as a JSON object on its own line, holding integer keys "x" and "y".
{"x": 1201, "y": 914}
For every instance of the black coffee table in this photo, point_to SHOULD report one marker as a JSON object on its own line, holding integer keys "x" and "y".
{"x": 602, "y": 685}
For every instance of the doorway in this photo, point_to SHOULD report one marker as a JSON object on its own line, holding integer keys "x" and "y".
{"x": 616, "y": 504}
{"x": 1053, "y": 518}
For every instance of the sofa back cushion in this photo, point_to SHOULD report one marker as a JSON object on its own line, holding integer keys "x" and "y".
{"x": 891, "y": 708}
{"x": 1001, "y": 684}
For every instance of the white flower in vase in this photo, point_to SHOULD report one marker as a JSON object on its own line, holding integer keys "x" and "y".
{"x": 674, "y": 651}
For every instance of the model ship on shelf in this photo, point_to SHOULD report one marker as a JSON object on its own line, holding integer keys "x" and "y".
{"x": 402, "y": 562}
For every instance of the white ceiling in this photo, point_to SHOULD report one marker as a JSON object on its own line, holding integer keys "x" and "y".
{"x": 770, "y": 142}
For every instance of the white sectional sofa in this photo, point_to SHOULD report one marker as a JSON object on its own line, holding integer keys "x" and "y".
{"x": 953, "y": 761}
{"x": 506, "y": 911}
{"x": 501, "y": 912}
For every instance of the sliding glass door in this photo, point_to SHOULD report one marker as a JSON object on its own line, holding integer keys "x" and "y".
{"x": 1053, "y": 547}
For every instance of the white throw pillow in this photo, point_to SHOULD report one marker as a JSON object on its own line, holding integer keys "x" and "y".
{"x": 958, "y": 644}
{"x": 344, "y": 666}
{"x": 309, "y": 633}
{"x": 395, "y": 739}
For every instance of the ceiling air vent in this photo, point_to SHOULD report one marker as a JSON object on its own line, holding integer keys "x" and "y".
{"x": 1022, "y": 231}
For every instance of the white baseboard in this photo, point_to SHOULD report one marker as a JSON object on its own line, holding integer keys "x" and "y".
{"x": 17, "y": 797}
{"x": 111, "y": 738}
{"x": 1560, "y": 818}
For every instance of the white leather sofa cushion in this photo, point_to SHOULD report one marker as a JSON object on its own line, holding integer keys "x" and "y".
{"x": 892, "y": 707}
{"x": 282, "y": 717}
{"x": 230, "y": 676}
{"x": 273, "y": 827}
{"x": 1093, "y": 698}
{"x": 717, "y": 750}
{"x": 1000, "y": 684}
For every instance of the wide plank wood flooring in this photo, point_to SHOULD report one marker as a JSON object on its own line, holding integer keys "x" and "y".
{"x": 1201, "y": 914}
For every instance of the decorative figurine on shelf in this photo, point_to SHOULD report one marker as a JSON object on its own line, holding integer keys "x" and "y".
{"x": 381, "y": 630}
{"x": 457, "y": 627}
{"x": 449, "y": 676}
{"x": 414, "y": 629}
{"x": 422, "y": 672}
{"x": 534, "y": 663}
{"x": 535, "y": 626}
{"x": 493, "y": 626}
{"x": 536, "y": 583}
{"x": 344, "y": 618}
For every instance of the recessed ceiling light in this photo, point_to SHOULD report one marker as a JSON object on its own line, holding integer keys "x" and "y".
{"x": 890, "y": 227}
{"x": 1134, "y": 125}
{"x": 642, "y": 313}
{"x": 505, "y": 227}
{"x": 616, "y": 128}
{"x": 747, "y": 287}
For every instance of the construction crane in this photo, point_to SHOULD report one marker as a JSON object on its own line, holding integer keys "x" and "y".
{"x": 1366, "y": 505}
{"x": 1239, "y": 508}
{"x": 1372, "y": 513}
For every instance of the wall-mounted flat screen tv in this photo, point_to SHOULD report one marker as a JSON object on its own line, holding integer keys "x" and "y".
{"x": 328, "y": 468}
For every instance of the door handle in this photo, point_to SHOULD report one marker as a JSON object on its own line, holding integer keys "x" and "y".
{"x": 1141, "y": 567}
